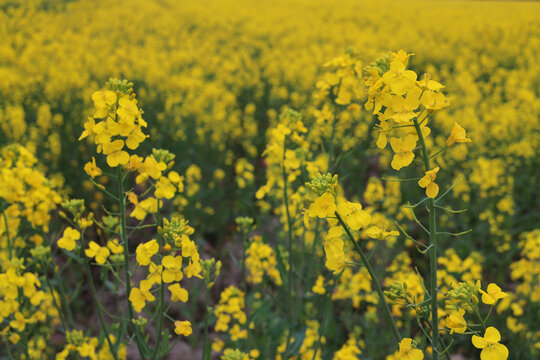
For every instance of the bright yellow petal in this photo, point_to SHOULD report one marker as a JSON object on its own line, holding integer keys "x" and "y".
{"x": 432, "y": 190}
{"x": 492, "y": 335}
{"x": 479, "y": 342}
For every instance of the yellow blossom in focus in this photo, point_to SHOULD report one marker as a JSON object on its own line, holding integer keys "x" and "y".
{"x": 407, "y": 352}
{"x": 493, "y": 294}
{"x": 145, "y": 251}
{"x": 323, "y": 207}
{"x": 92, "y": 169}
{"x": 456, "y": 322}
{"x": 68, "y": 239}
{"x": 403, "y": 151}
{"x": 100, "y": 253}
{"x": 491, "y": 348}
{"x": 428, "y": 182}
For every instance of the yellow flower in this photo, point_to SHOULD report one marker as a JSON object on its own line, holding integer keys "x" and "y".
{"x": 428, "y": 182}
{"x": 92, "y": 169}
{"x": 493, "y": 294}
{"x": 114, "y": 247}
{"x": 456, "y": 322}
{"x": 182, "y": 328}
{"x": 178, "y": 293}
{"x": 173, "y": 268}
{"x": 103, "y": 100}
{"x": 100, "y": 253}
{"x": 403, "y": 151}
{"x": 491, "y": 348}
{"x": 353, "y": 215}
{"x": 378, "y": 232}
{"x": 433, "y": 100}
{"x": 399, "y": 79}
{"x": 164, "y": 189}
{"x": 406, "y": 351}
{"x": 335, "y": 256}
{"x": 384, "y": 128}
{"x": 323, "y": 207}
{"x": 139, "y": 296}
{"x": 115, "y": 155}
{"x": 458, "y": 135}
{"x": 145, "y": 251}
{"x": 67, "y": 241}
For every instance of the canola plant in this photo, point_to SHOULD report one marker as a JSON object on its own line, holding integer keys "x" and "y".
{"x": 277, "y": 180}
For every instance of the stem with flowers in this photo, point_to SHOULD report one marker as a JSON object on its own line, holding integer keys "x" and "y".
{"x": 432, "y": 250}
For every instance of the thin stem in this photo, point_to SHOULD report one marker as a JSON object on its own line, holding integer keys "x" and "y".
{"x": 290, "y": 241}
{"x": 63, "y": 299}
{"x": 327, "y": 299}
{"x": 55, "y": 302}
{"x": 376, "y": 282}
{"x": 124, "y": 238}
{"x": 432, "y": 252}
{"x": 161, "y": 292}
{"x": 10, "y": 246}
{"x": 206, "y": 353}
{"x": 99, "y": 310}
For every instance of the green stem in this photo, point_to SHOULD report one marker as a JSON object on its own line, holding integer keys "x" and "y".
{"x": 99, "y": 310}
{"x": 55, "y": 302}
{"x": 290, "y": 241}
{"x": 124, "y": 238}
{"x": 161, "y": 313}
{"x": 25, "y": 342}
{"x": 206, "y": 353}
{"x": 244, "y": 285}
{"x": 327, "y": 299}
{"x": 376, "y": 282}
{"x": 432, "y": 252}
{"x": 63, "y": 299}
{"x": 10, "y": 246}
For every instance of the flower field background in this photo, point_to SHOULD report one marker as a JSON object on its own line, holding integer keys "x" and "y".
{"x": 190, "y": 219}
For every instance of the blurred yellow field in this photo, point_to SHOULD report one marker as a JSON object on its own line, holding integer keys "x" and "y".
{"x": 274, "y": 179}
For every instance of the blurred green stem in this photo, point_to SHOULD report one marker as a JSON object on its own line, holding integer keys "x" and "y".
{"x": 376, "y": 282}
{"x": 432, "y": 251}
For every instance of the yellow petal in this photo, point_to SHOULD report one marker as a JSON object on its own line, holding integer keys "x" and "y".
{"x": 479, "y": 342}
{"x": 492, "y": 335}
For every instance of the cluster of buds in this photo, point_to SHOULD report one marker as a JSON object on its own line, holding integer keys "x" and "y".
{"x": 75, "y": 337}
{"x": 210, "y": 271}
{"x": 245, "y": 224}
{"x": 323, "y": 183}
{"x": 381, "y": 65}
{"x": 77, "y": 208}
{"x": 176, "y": 230}
{"x": 164, "y": 156}
{"x": 464, "y": 295}
{"x": 123, "y": 87}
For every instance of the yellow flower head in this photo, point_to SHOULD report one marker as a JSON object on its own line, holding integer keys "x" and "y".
{"x": 323, "y": 207}
{"x": 145, "y": 251}
{"x": 403, "y": 151}
{"x": 458, "y": 135}
{"x": 100, "y": 253}
{"x": 493, "y": 294}
{"x": 428, "y": 182}
{"x": 68, "y": 239}
{"x": 92, "y": 169}
{"x": 456, "y": 322}
{"x": 399, "y": 79}
{"x": 178, "y": 293}
{"x": 491, "y": 348}
{"x": 406, "y": 351}
{"x": 182, "y": 328}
